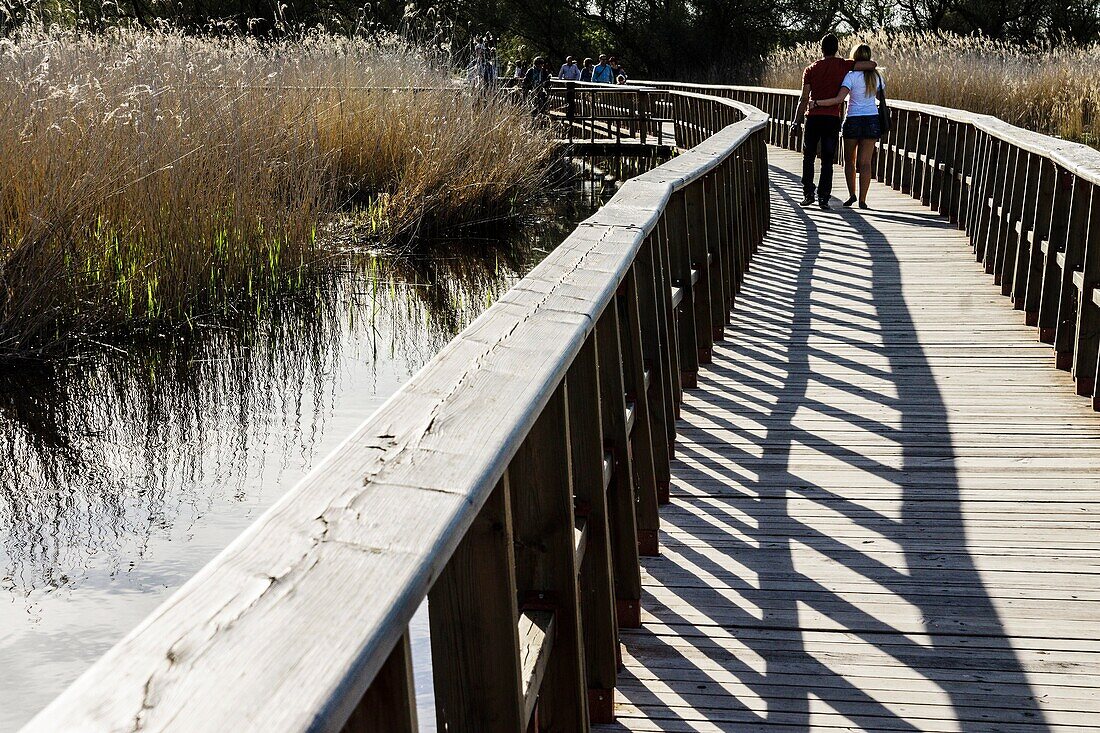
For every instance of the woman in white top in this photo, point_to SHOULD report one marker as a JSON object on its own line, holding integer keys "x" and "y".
{"x": 862, "y": 126}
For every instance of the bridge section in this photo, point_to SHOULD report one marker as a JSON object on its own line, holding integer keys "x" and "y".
{"x": 883, "y": 495}
{"x": 885, "y": 500}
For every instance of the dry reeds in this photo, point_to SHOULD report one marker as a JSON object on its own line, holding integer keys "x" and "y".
{"x": 1050, "y": 89}
{"x": 149, "y": 176}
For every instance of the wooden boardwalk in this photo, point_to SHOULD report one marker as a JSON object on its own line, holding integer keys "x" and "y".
{"x": 886, "y": 500}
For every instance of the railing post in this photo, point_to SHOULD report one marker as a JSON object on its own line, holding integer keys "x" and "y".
{"x": 1016, "y": 271}
{"x": 1069, "y": 261}
{"x": 390, "y": 702}
{"x": 570, "y": 107}
{"x": 670, "y": 343}
{"x": 1040, "y": 242}
{"x": 991, "y": 199}
{"x": 697, "y": 241}
{"x": 724, "y": 215}
{"x": 540, "y": 480}
{"x": 912, "y": 150}
{"x": 621, "y": 499}
{"x": 1087, "y": 342}
{"x": 472, "y": 616}
{"x": 657, "y": 346}
{"x": 1050, "y": 298}
{"x": 680, "y": 257}
{"x": 965, "y": 163}
{"x": 1011, "y": 196}
{"x": 943, "y": 178}
{"x": 601, "y": 632}
{"x": 640, "y": 428}
{"x": 715, "y": 247}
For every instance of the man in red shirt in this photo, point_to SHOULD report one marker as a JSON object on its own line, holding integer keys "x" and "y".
{"x": 821, "y": 80}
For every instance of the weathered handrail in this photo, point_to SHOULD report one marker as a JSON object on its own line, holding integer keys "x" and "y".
{"x": 1030, "y": 204}
{"x": 513, "y": 482}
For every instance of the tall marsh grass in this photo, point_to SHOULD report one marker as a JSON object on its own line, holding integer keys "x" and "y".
{"x": 1049, "y": 89}
{"x": 148, "y": 177}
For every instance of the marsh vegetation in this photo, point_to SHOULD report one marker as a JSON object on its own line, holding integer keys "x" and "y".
{"x": 1053, "y": 89}
{"x": 149, "y": 178}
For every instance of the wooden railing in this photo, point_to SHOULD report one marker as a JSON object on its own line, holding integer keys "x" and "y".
{"x": 607, "y": 113}
{"x": 513, "y": 481}
{"x": 1029, "y": 203}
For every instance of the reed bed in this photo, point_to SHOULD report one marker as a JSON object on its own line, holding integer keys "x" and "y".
{"x": 1053, "y": 89}
{"x": 147, "y": 177}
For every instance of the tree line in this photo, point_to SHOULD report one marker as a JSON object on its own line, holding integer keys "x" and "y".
{"x": 689, "y": 39}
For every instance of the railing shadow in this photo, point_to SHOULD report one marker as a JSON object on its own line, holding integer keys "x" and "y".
{"x": 838, "y": 586}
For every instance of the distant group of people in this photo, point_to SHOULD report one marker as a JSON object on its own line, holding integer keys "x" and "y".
{"x": 534, "y": 78}
{"x": 826, "y": 85}
{"x": 604, "y": 70}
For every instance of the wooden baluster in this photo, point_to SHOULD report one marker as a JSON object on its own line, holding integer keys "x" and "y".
{"x": 978, "y": 194}
{"x": 1086, "y": 282}
{"x": 999, "y": 155}
{"x": 597, "y": 591}
{"x": 540, "y": 479}
{"x": 1021, "y": 233}
{"x": 716, "y": 271}
{"x": 473, "y": 614}
{"x": 881, "y": 158}
{"x": 570, "y": 107}
{"x": 943, "y": 179}
{"x": 1044, "y": 200}
{"x": 931, "y": 157}
{"x": 890, "y": 176}
{"x": 620, "y": 499}
{"x": 1010, "y": 215}
{"x": 697, "y": 241}
{"x": 964, "y": 168}
{"x": 669, "y": 333}
{"x": 656, "y": 349}
{"x": 1050, "y": 297}
{"x": 738, "y": 220}
{"x": 908, "y": 142}
{"x": 748, "y": 200}
{"x": 761, "y": 199}
{"x": 997, "y": 233}
{"x": 1069, "y": 261}
{"x": 726, "y": 234}
{"x": 680, "y": 258}
{"x": 389, "y": 704}
{"x": 910, "y": 174}
{"x": 640, "y": 427}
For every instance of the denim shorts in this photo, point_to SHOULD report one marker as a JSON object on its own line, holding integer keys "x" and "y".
{"x": 864, "y": 127}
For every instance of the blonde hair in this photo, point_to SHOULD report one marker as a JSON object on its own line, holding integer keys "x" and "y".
{"x": 862, "y": 52}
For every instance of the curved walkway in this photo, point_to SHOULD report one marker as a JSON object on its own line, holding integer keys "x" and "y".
{"x": 885, "y": 501}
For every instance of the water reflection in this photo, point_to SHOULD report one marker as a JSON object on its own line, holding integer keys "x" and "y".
{"x": 126, "y": 468}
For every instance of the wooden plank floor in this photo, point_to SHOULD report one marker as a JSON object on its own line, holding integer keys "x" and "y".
{"x": 886, "y": 501}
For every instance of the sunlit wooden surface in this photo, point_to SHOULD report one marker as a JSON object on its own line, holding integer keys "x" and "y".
{"x": 884, "y": 502}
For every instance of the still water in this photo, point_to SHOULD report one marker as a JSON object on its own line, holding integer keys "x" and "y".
{"x": 126, "y": 469}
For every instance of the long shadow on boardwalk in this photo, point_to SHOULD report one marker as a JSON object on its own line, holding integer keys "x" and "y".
{"x": 816, "y": 572}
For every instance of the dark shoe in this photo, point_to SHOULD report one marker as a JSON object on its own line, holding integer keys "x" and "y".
{"x": 806, "y": 201}
{"x": 863, "y": 205}
{"x": 851, "y": 200}
{"x": 824, "y": 206}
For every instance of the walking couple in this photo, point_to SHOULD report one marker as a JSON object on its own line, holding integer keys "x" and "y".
{"x": 826, "y": 85}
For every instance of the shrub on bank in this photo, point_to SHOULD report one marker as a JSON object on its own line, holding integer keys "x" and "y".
{"x": 149, "y": 176}
{"x": 1046, "y": 88}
